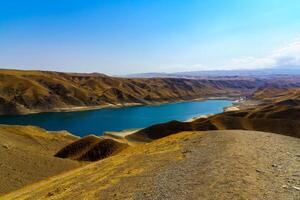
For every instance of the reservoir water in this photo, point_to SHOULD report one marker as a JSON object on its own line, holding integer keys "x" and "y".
{"x": 116, "y": 119}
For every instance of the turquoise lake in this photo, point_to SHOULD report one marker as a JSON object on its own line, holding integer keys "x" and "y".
{"x": 116, "y": 119}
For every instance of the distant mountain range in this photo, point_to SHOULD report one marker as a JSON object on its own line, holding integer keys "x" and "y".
{"x": 195, "y": 74}
{"x": 24, "y": 92}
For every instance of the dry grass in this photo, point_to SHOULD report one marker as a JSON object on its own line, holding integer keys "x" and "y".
{"x": 187, "y": 165}
{"x": 27, "y": 155}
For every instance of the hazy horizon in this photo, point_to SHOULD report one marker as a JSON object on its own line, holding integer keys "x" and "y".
{"x": 128, "y": 37}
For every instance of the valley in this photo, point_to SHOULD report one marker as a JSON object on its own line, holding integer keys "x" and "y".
{"x": 102, "y": 120}
{"x": 150, "y": 100}
{"x": 249, "y": 151}
{"x": 23, "y": 92}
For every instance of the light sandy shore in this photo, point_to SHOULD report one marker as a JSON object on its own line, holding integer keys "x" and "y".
{"x": 198, "y": 117}
{"x": 85, "y": 108}
{"x": 231, "y": 108}
{"x": 234, "y": 107}
{"x": 82, "y": 108}
{"x": 121, "y": 134}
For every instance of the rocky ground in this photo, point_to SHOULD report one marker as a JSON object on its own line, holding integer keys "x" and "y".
{"x": 188, "y": 165}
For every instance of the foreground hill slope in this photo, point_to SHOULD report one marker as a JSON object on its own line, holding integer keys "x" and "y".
{"x": 223, "y": 121}
{"x": 278, "y": 113}
{"x": 26, "y": 155}
{"x": 40, "y": 91}
{"x": 187, "y": 165}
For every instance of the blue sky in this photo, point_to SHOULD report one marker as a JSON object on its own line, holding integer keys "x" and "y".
{"x": 133, "y": 36}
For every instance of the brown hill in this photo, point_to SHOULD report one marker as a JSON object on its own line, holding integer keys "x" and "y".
{"x": 91, "y": 148}
{"x": 188, "y": 165}
{"x": 276, "y": 116}
{"x": 40, "y": 91}
{"x": 26, "y": 155}
{"x": 159, "y": 131}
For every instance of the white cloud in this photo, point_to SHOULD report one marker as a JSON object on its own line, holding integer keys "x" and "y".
{"x": 286, "y": 56}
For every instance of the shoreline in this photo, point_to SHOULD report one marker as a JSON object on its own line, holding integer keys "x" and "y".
{"x": 77, "y": 109}
{"x": 235, "y": 106}
{"x": 123, "y": 105}
{"x": 120, "y": 135}
{"x": 199, "y": 117}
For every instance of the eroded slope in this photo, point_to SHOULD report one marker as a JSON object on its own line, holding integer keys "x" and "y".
{"x": 40, "y": 91}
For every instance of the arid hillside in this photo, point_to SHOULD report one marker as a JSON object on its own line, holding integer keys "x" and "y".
{"x": 236, "y": 120}
{"x": 188, "y": 165}
{"x": 231, "y": 155}
{"x": 276, "y": 112}
{"x": 39, "y": 91}
{"x": 27, "y": 155}
{"x": 226, "y": 156}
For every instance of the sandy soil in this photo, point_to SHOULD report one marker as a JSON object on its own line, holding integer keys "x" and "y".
{"x": 231, "y": 108}
{"x": 198, "y": 117}
{"x": 189, "y": 165}
{"x": 120, "y": 136}
{"x": 27, "y": 155}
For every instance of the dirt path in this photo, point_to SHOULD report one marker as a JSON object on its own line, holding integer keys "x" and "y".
{"x": 189, "y": 165}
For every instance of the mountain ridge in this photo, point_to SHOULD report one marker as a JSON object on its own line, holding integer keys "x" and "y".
{"x": 23, "y": 92}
